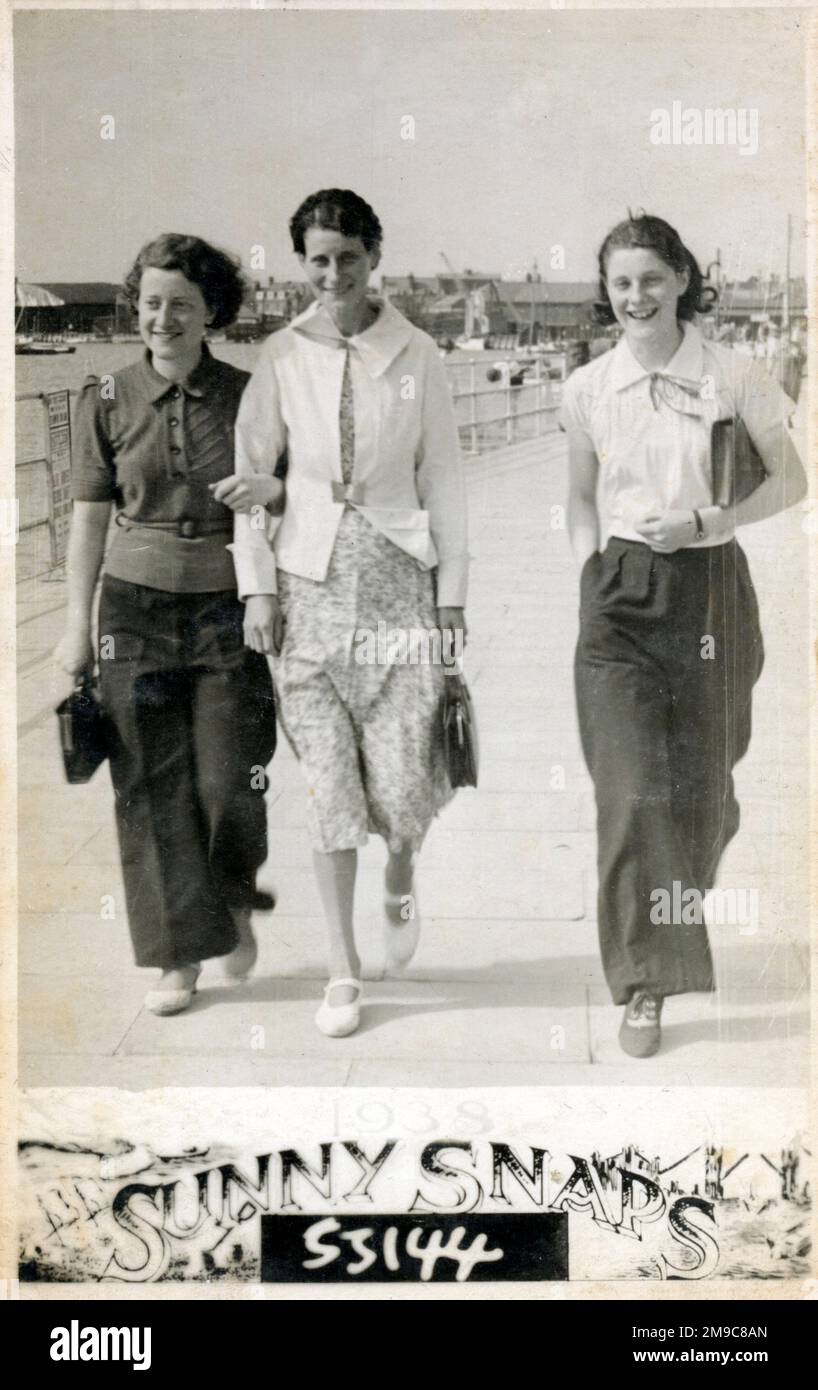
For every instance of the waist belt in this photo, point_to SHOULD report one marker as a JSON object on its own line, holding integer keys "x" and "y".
{"x": 353, "y": 493}
{"x": 188, "y": 528}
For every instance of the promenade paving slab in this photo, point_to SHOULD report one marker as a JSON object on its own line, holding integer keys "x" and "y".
{"x": 57, "y": 1016}
{"x": 400, "y": 1021}
{"x": 507, "y": 987}
{"x": 543, "y": 811}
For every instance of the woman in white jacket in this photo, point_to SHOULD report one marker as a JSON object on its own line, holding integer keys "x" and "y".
{"x": 370, "y": 541}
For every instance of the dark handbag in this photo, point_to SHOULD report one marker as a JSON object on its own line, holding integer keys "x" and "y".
{"x": 460, "y": 747}
{"x": 736, "y": 463}
{"x": 84, "y": 732}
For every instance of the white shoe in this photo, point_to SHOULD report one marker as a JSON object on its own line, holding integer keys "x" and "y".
{"x": 401, "y": 932}
{"x": 173, "y": 1001}
{"x": 239, "y": 963}
{"x": 339, "y": 1020}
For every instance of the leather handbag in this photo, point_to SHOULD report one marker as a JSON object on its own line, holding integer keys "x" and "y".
{"x": 737, "y": 467}
{"x": 460, "y": 745}
{"x": 84, "y": 732}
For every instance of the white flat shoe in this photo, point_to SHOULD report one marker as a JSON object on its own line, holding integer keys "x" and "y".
{"x": 401, "y": 934}
{"x": 173, "y": 1001}
{"x": 339, "y": 1020}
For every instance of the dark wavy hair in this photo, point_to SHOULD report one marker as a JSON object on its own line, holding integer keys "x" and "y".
{"x": 217, "y": 274}
{"x": 654, "y": 234}
{"x": 336, "y": 210}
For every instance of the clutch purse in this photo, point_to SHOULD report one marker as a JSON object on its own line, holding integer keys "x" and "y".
{"x": 736, "y": 463}
{"x": 84, "y": 732}
{"x": 460, "y": 747}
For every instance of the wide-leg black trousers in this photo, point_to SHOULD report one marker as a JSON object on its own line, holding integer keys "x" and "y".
{"x": 669, "y": 650}
{"x": 194, "y": 729}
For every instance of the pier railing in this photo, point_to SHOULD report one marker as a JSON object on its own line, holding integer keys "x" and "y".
{"x": 43, "y": 438}
{"x": 490, "y": 415}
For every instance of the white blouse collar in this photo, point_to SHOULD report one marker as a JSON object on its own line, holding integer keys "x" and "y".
{"x": 687, "y": 362}
{"x": 377, "y": 346}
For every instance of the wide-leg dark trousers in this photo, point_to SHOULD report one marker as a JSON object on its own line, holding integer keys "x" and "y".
{"x": 194, "y": 729}
{"x": 669, "y": 650}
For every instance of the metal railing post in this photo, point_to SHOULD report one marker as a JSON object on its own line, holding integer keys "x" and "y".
{"x": 480, "y": 423}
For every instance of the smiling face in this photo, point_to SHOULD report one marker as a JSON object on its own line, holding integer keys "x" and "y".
{"x": 338, "y": 268}
{"x": 173, "y": 317}
{"x": 644, "y": 292}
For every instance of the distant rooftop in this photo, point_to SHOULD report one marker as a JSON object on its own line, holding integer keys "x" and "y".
{"x": 548, "y": 291}
{"x": 518, "y": 292}
{"x": 84, "y": 292}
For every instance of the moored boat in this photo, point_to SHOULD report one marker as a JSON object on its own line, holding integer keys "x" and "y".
{"x": 41, "y": 347}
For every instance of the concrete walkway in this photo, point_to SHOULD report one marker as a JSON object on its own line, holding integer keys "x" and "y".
{"x": 506, "y": 988}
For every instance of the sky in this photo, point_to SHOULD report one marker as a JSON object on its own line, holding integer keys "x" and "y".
{"x": 531, "y": 132}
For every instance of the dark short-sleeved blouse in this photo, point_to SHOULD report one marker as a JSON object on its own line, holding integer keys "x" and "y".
{"x": 151, "y": 446}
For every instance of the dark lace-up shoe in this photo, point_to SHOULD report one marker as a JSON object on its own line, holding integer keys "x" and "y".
{"x": 641, "y": 1030}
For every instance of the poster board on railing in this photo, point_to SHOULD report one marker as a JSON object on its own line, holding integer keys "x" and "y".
{"x": 58, "y": 421}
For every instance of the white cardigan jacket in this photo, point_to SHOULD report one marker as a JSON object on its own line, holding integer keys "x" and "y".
{"x": 408, "y": 475}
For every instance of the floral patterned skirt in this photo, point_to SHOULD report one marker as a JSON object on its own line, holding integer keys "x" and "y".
{"x": 359, "y": 686}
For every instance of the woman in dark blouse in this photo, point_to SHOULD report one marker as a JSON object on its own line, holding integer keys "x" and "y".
{"x": 191, "y": 706}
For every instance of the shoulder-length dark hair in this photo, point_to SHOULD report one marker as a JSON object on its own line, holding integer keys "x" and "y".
{"x": 654, "y": 234}
{"x": 217, "y": 274}
{"x": 336, "y": 210}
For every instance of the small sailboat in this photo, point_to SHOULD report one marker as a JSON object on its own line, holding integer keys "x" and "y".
{"x": 40, "y": 347}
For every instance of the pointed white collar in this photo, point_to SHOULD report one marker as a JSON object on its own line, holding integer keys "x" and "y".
{"x": 377, "y": 346}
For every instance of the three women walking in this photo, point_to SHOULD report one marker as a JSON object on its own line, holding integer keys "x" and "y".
{"x": 350, "y": 513}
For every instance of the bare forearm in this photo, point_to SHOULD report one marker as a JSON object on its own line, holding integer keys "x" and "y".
{"x": 783, "y": 488}
{"x": 583, "y": 528}
{"x": 86, "y": 548}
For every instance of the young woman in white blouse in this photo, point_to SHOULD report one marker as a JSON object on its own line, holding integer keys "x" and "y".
{"x": 669, "y": 646}
{"x": 373, "y": 532}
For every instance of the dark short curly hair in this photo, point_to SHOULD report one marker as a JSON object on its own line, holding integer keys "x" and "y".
{"x": 217, "y": 274}
{"x": 654, "y": 234}
{"x": 336, "y": 210}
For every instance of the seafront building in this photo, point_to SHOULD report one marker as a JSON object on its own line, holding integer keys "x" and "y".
{"x": 527, "y": 310}
{"x": 94, "y": 309}
{"x": 468, "y": 305}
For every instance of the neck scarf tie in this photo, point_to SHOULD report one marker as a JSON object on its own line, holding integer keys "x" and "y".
{"x": 675, "y": 391}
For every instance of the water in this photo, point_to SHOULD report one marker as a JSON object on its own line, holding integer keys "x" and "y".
{"x": 57, "y": 373}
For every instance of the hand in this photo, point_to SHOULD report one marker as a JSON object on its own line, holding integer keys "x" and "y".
{"x": 241, "y": 492}
{"x": 263, "y": 624}
{"x": 452, "y": 620}
{"x": 668, "y": 532}
{"x": 74, "y": 655}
